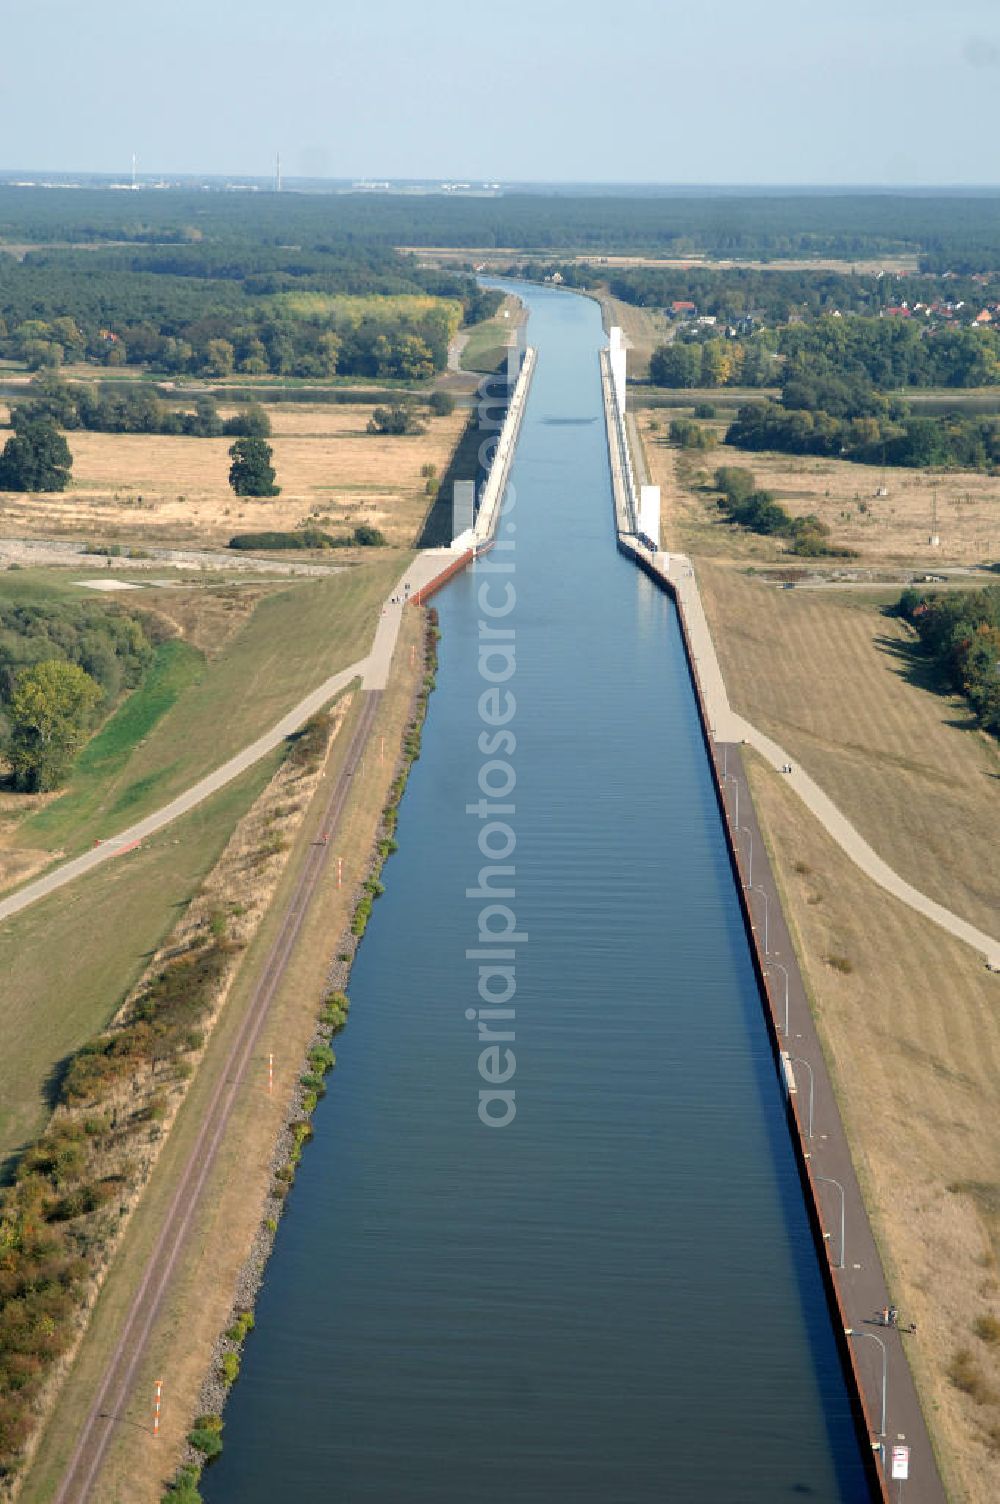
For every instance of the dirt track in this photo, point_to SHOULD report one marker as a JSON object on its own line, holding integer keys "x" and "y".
{"x": 88, "y": 1454}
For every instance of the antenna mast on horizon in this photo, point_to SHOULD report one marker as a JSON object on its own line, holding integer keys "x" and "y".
{"x": 277, "y": 173}
{"x": 135, "y": 172}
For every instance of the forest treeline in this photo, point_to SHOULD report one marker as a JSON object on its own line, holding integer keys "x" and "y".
{"x": 210, "y": 309}
{"x": 958, "y": 231}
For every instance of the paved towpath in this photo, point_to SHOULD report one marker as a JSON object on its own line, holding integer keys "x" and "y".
{"x": 372, "y": 669}
{"x": 858, "y": 1274}
{"x": 728, "y": 726}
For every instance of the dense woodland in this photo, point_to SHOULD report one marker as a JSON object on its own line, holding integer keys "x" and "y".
{"x": 62, "y": 666}
{"x": 957, "y": 231}
{"x": 221, "y": 295}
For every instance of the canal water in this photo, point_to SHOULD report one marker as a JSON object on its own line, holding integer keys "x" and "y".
{"x": 614, "y": 1299}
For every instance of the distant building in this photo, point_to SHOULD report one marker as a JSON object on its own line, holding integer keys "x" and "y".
{"x": 681, "y": 309}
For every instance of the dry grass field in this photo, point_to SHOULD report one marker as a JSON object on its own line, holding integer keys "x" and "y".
{"x": 644, "y": 330}
{"x": 912, "y": 1033}
{"x": 68, "y": 960}
{"x": 840, "y": 686}
{"x": 139, "y": 489}
{"x": 891, "y": 531}
{"x": 911, "y": 1025}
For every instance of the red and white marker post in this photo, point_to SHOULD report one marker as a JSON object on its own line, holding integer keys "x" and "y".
{"x": 270, "y": 1074}
{"x": 156, "y": 1407}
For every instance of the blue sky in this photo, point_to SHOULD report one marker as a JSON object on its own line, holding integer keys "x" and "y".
{"x": 718, "y": 91}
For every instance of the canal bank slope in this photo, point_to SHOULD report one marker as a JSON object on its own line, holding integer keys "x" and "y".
{"x": 171, "y": 1290}
{"x": 874, "y": 1354}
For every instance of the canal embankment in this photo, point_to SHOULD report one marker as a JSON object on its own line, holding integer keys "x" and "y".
{"x": 570, "y": 1307}
{"x": 879, "y": 1377}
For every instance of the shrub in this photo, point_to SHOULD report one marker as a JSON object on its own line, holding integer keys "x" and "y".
{"x": 987, "y": 1329}
{"x": 322, "y": 1059}
{"x": 969, "y": 1378}
{"x": 394, "y": 420}
{"x": 441, "y": 404}
{"x": 237, "y": 1332}
{"x": 208, "y": 1442}
{"x": 230, "y": 1368}
{"x": 368, "y": 537}
{"x": 184, "y": 1488}
{"x": 690, "y": 435}
{"x": 704, "y": 410}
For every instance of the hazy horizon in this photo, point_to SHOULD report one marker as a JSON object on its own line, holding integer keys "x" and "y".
{"x": 860, "y": 97}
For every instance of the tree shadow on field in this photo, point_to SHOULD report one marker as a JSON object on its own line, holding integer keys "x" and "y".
{"x": 913, "y": 665}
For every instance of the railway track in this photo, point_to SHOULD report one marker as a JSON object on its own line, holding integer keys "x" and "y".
{"x": 105, "y": 1412}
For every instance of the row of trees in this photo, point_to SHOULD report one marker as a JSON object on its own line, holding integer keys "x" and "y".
{"x": 134, "y": 407}
{"x": 716, "y": 362}
{"x": 894, "y": 353}
{"x": 883, "y": 355}
{"x": 971, "y": 443}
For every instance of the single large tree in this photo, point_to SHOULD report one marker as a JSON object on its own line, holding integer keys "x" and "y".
{"x": 251, "y": 473}
{"x": 36, "y": 458}
{"x": 49, "y": 714}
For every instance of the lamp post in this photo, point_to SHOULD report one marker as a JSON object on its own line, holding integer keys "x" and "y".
{"x": 784, "y": 970}
{"x": 830, "y": 1181}
{"x": 767, "y": 910}
{"x": 797, "y": 1060}
{"x": 735, "y": 782}
{"x": 885, "y": 1367}
{"x": 748, "y": 832}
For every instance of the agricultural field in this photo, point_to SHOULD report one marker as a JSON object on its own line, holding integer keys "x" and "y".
{"x": 893, "y": 531}
{"x": 141, "y": 490}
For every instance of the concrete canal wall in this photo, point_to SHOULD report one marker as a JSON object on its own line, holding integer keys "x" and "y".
{"x": 656, "y": 564}
{"x": 488, "y": 515}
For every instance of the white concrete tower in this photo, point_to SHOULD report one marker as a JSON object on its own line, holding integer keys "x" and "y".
{"x": 649, "y": 514}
